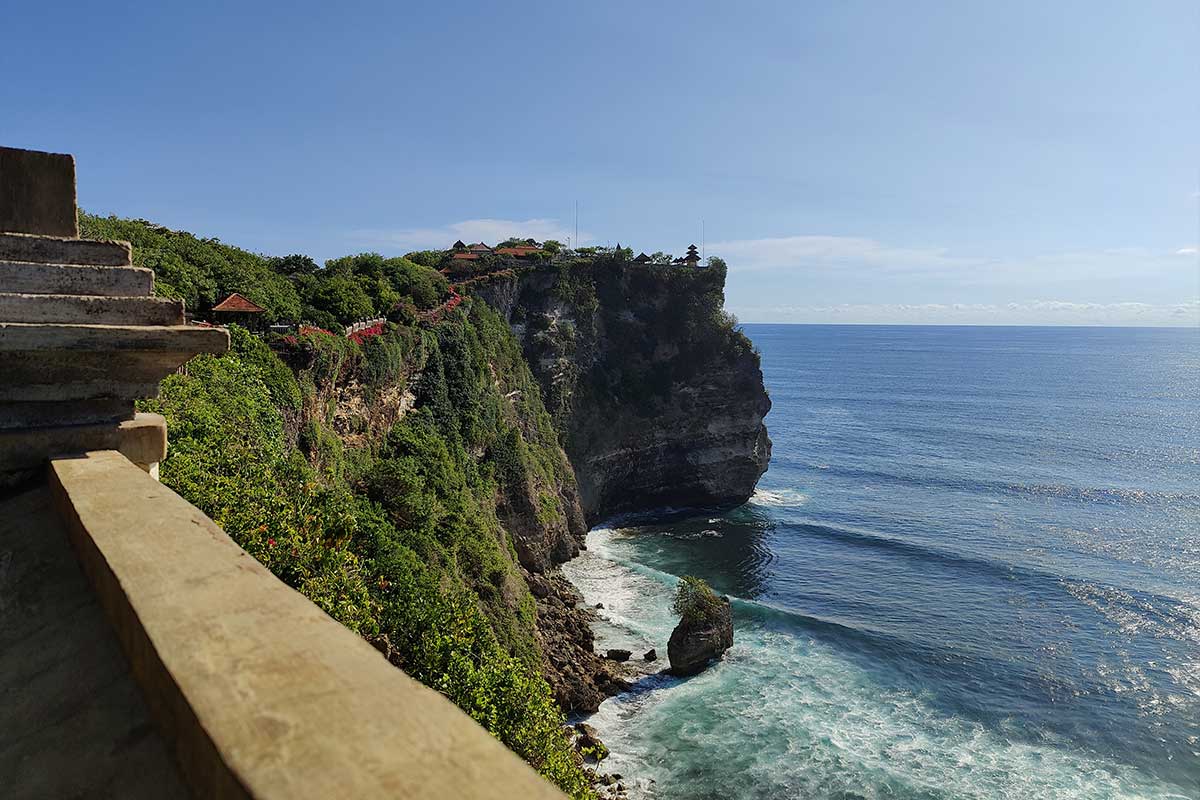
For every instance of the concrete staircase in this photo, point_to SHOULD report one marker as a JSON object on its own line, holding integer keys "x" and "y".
{"x": 81, "y": 336}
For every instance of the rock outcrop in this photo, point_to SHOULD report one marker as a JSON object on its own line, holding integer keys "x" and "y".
{"x": 658, "y": 398}
{"x": 579, "y": 677}
{"x": 695, "y": 643}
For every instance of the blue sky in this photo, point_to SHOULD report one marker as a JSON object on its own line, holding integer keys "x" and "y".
{"x": 960, "y": 161}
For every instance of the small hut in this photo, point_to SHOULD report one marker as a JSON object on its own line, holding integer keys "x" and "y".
{"x": 642, "y": 259}
{"x": 238, "y": 309}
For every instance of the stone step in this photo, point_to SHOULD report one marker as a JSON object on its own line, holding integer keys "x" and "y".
{"x": 56, "y": 250}
{"x": 64, "y": 412}
{"x": 29, "y": 278}
{"x": 60, "y": 390}
{"x": 89, "y": 309}
{"x": 17, "y": 337}
{"x": 24, "y": 372}
{"x": 142, "y": 439}
{"x": 48, "y": 362}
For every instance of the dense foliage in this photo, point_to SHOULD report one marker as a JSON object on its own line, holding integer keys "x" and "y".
{"x": 292, "y": 289}
{"x": 397, "y": 531}
{"x": 398, "y": 539}
{"x": 695, "y": 602}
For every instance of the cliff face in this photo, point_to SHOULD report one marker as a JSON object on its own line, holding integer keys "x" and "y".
{"x": 473, "y": 371}
{"x": 659, "y": 401}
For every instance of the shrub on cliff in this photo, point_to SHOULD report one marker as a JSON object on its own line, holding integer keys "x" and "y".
{"x": 291, "y": 288}
{"x": 423, "y": 572}
{"x": 695, "y": 602}
{"x": 275, "y": 375}
{"x": 198, "y": 271}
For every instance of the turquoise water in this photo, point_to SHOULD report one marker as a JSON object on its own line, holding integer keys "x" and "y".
{"x": 972, "y": 571}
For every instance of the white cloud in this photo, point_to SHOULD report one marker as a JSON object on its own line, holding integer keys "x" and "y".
{"x": 1036, "y": 312}
{"x": 833, "y": 252}
{"x": 1187, "y": 251}
{"x": 489, "y": 231}
{"x": 819, "y": 255}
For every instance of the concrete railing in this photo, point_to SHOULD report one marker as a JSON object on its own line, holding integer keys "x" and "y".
{"x": 258, "y": 692}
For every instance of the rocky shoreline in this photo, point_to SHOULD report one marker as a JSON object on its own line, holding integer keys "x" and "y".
{"x": 580, "y": 678}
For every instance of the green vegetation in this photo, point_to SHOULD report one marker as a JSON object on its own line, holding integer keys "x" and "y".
{"x": 292, "y": 289}
{"x": 396, "y": 537}
{"x": 399, "y": 529}
{"x": 695, "y": 602}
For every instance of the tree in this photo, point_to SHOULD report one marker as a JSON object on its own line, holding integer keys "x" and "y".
{"x": 293, "y": 265}
{"x": 695, "y": 600}
{"x": 341, "y": 297}
{"x": 427, "y": 258}
{"x": 425, "y": 286}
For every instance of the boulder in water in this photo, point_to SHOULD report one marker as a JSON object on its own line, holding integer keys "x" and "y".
{"x": 705, "y": 631}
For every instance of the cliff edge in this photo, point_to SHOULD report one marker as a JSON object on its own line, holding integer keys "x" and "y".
{"x": 657, "y": 396}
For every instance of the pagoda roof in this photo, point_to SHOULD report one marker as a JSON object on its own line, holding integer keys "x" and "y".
{"x": 235, "y": 302}
{"x": 518, "y": 250}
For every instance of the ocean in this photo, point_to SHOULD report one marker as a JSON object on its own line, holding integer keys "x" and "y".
{"x": 971, "y": 571}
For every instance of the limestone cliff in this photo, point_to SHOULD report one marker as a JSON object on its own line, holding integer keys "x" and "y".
{"x": 658, "y": 398}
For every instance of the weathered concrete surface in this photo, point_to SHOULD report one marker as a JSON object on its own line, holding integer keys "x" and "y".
{"x": 42, "y": 393}
{"x": 37, "y": 192}
{"x": 90, "y": 310}
{"x": 39, "y": 415}
{"x": 40, "y": 337}
{"x": 51, "y": 250}
{"x": 60, "y": 362}
{"x": 29, "y": 278}
{"x": 66, "y": 366}
{"x": 73, "y": 723}
{"x": 142, "y": 440}
{"x": 261, "y": 693}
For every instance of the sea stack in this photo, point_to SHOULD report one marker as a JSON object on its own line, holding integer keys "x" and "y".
{"x": 705, "y": 630}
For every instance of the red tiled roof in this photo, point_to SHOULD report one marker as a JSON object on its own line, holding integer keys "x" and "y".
{"x": 235, "y": 302}
{"x": 518, "y": 250}
{"x": 464, "y": 256}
